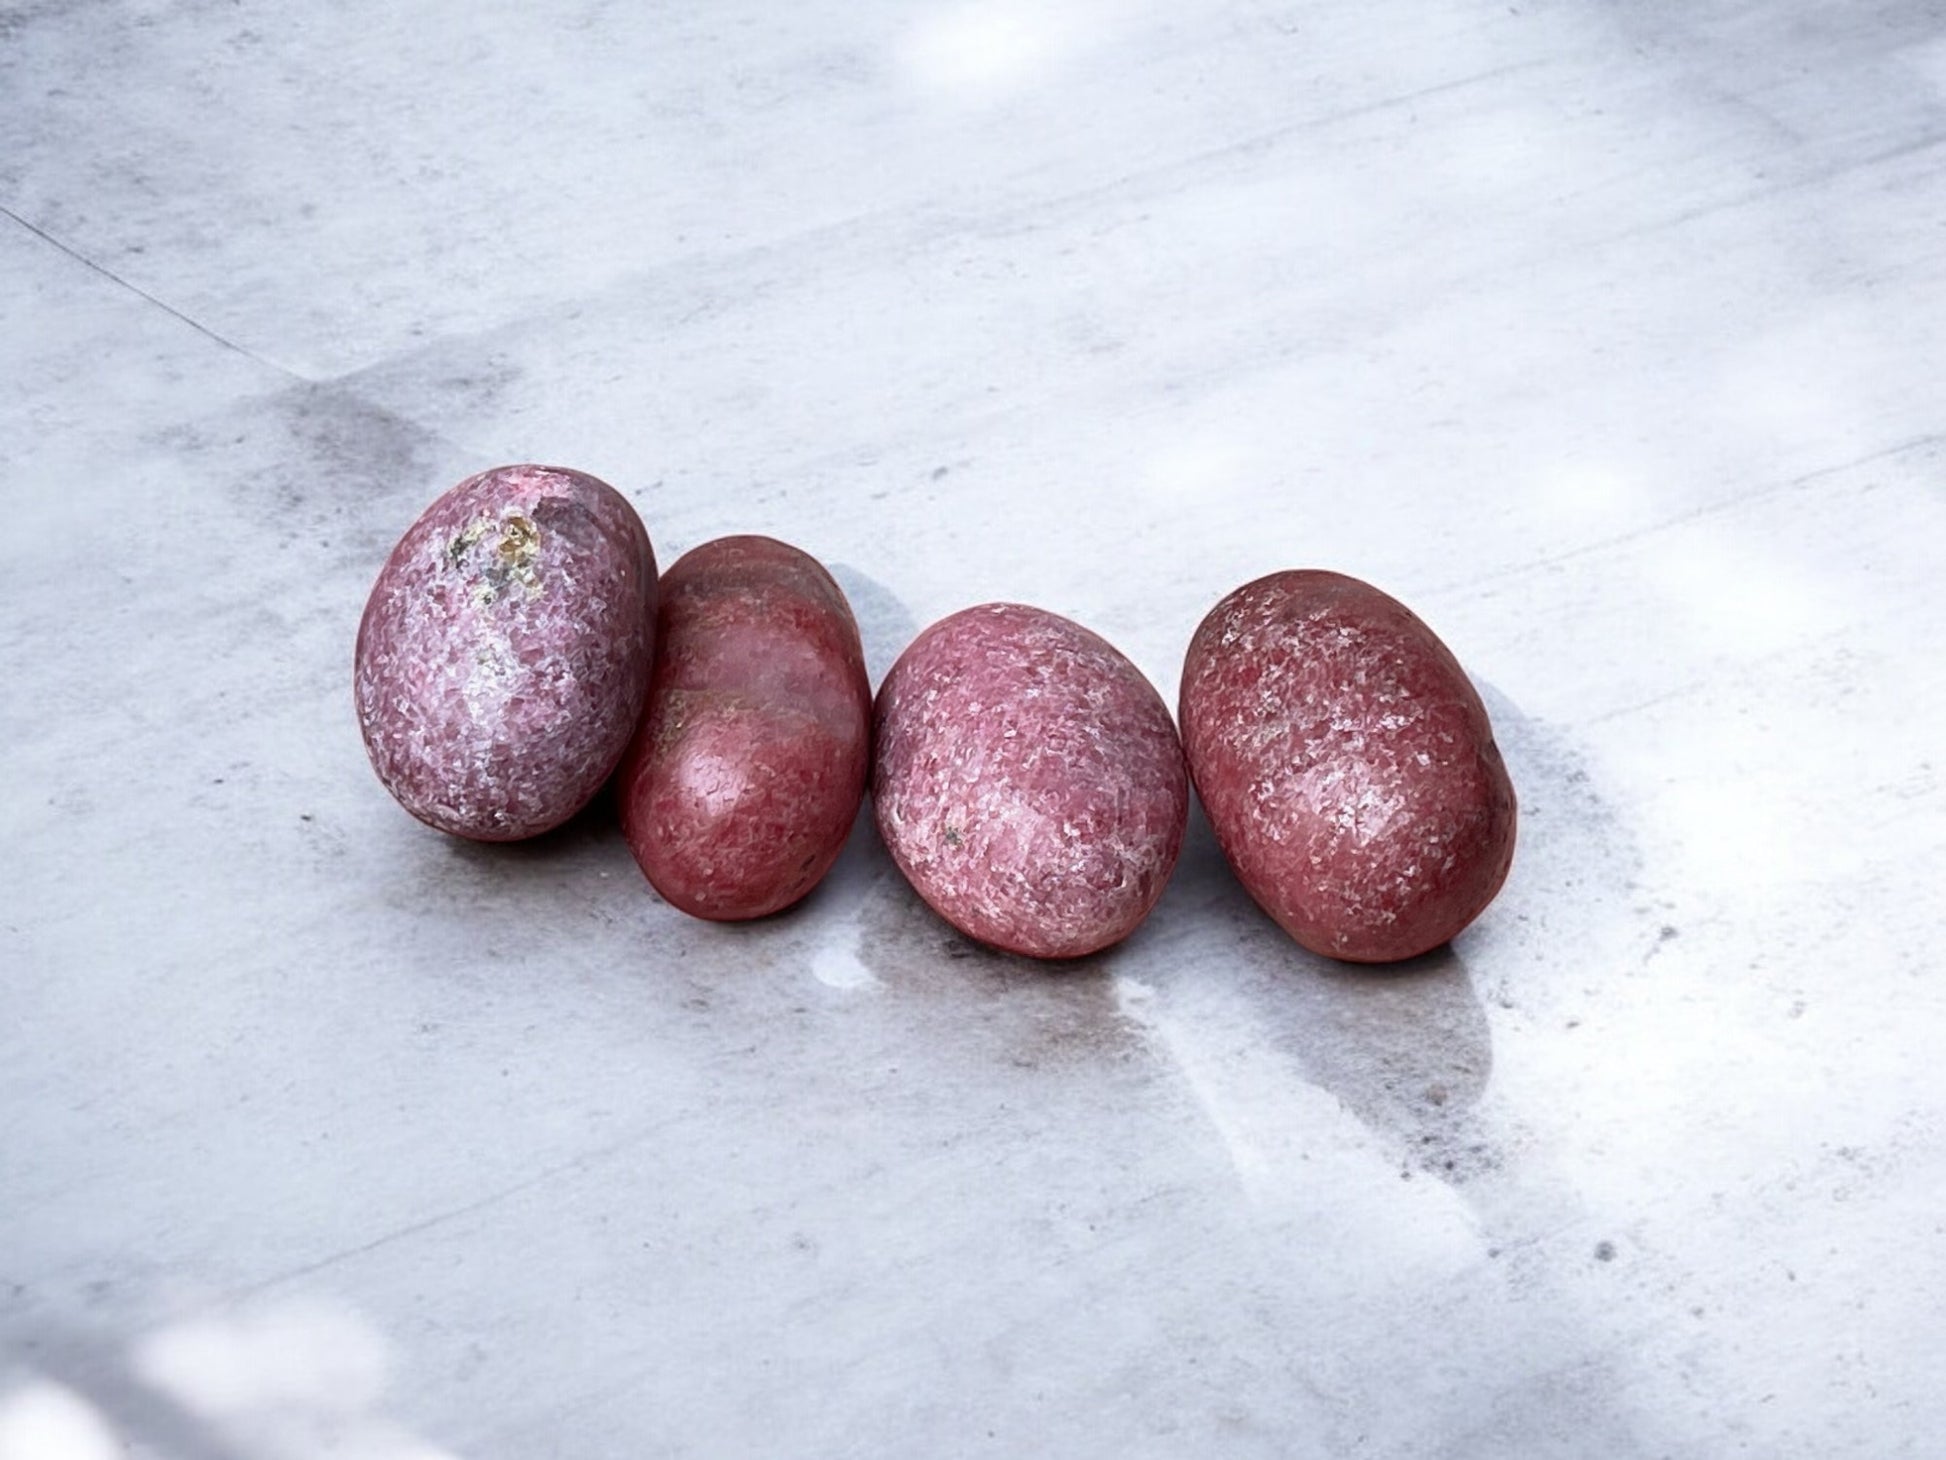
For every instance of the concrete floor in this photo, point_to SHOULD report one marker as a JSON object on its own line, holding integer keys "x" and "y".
{"x": 1608, "y": 337}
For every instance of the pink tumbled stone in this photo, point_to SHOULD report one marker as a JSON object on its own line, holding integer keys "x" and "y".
{"x": 1028, "y": 781}
{"x": 505, "y": 651}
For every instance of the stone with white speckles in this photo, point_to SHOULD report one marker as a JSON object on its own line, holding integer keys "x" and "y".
{"x": 1028, "y": 781}
{"x": 505, "y": 651}
{"x": 1347, "y": 766}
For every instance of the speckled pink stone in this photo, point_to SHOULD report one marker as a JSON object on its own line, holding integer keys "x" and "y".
{"x": 748, "y": 770}
{"x": 1028, "y": 781}
{"x": 505, "y": 651}
{"x": 1347, "y": 766}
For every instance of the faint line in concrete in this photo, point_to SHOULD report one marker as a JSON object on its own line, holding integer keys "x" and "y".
{"x": 114, "y": 278}
{"x": 426, "y": 1224}
{"x": 1732, "y": 503}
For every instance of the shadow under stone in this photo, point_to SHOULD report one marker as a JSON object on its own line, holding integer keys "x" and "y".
{"x": 884, "y": 622}
{"x": 1405, "y": 1047}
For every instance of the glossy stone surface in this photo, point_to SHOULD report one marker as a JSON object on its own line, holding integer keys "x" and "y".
{"x": 751, "y": 761}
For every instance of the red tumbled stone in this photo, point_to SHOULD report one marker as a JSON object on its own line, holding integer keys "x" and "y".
{"x": 1347, "y": 766}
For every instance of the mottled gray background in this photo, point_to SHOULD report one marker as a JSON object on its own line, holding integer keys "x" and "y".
{"x": 1607, "y": 336}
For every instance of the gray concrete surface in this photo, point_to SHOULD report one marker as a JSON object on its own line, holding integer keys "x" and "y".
{"x": 1606, "y": 336}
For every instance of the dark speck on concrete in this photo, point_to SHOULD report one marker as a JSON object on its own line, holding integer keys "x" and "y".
{"x": 1604, "y": 1251}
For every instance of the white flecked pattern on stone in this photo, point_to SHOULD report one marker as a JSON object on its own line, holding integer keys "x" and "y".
{"x": 1028, "y": 781}
{"x": 1347, "y": 765}
{"x": 505, "y": 651}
